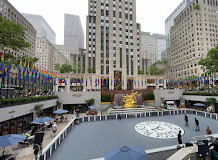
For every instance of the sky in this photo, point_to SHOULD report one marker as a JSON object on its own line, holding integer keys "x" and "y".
{"x": 150, "y": 13}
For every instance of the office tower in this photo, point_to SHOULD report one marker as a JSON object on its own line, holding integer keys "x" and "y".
{"x": 9, "y": 12}
{"x": 169, "y": 22}
{"x": 194, "y": 33}
{"x": 161, "y": 44}
{"x": 78, "y": 61}
{"x": 43, "y": 29}
{"x": 113, "y": 41}
{"x": 66, "y": 51}
{"x": 149, "y": 47}
{"x": 48, "y": 55}
{"x": 73, "y": 32}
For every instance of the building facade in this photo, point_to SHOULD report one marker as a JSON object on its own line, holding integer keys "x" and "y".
{"x": 9, "y": 12}
{"x": 73, "y": 32}
{"x": 48, "y": 54}
{"x": 161, "y": 44}
{"x": 193, "y": 35}
{"x": 113, "y": 40}
{"x": 169, "y": 22}
{"x": 78, "y": 61}
{"x": 149, "y": 47}
{"x": 66, "y": 51}
{"x": 43, "y": 29}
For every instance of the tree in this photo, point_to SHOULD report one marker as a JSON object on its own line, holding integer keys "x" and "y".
{"x": 210, "y": 63}
{"x": 12, "y": 35}
{"x": 57, "y": 66}
{"x": 38, "y": 109}
{"x": 90, "y": 102}
{"x": 66, "y": 68}
{"x": 77, "y": 68}
{"x": 156, "y": 71}
{"x": 91, "y": 70}
{"x": 140, "y": 72}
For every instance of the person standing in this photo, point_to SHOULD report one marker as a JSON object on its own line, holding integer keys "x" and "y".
{"x": 215, "y": 149}
{"x": 54, "y": 129}
{"x": 197, "y": 125}
{"x": 180, "y": 137}
{"x": 186, "y": 120}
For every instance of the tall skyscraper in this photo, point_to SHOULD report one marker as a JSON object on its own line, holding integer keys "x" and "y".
{"x": 113, "y": 41}
{"x": 161, "y": 44}
{"x": 73, "y": 32}
{"x": 169, "y": 22}
{"x": 43, "y": 29}
{"x": 149, "y": 47}
{"x": 194, "y": 33}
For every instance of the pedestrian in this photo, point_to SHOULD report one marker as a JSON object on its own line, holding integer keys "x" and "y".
{"x": 215, "y": 149}
{"x": 54, "y": 129}
{"x": 186, "y": 120}
{"x": 119, "y": 116}
{"x": 208, "y": 131}
{"x": 197, "y": 125}
{"x": 180, "y": 138}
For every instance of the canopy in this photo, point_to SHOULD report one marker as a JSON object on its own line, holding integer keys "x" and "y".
{"x": 126, "y": 153}
{"x": 61, "y": 111}
{"x": 169, "y": 102}
{"x": 11, "y": 139}
{"x": 42, "y": 120}
{"x": 199, "y": 104}
{"x": 93, "y": 107}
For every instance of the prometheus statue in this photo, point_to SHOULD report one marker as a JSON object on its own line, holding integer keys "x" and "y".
{"x": 130, "y": 100}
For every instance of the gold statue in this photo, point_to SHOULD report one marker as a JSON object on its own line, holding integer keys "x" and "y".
{"x": 130, "y": 100}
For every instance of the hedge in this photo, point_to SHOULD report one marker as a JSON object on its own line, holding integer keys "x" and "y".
{"x": 28, "y": 100}
{"x": 106, "y": 98}
{"x": 149, "y": 96}
{"x": 201, "y": 94}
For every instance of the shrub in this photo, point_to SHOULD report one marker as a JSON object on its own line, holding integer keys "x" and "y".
{"x": 149, "y": 96}
{"x": 106, "y": 98}
{"x": 90, "y": 101}
{"x": 196, "y": 6}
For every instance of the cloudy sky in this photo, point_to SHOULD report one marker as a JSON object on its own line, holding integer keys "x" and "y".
{"x": 150, "y": 13}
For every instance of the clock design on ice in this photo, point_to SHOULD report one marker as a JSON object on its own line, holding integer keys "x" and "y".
{"x": 158, "y": 129}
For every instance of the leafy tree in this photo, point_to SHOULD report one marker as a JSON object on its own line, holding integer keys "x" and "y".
{"x": 66, "y": 68}
{"x": 210, "y": 63}
{"x": 38, "y": 109}
{"x": 162, "y": 61}
{"x": 196, "y": 6}
{"x": 90, "y": 102}
{"x": 57, "y": 66}
{"x": 140, "y": 72}
{"x": 91, "y": 70}
{"x": 156, "y": 71}
{"x": 12, "y": 35}
{"x": 77, "y": 68}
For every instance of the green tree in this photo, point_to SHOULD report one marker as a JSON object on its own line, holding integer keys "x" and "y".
{"x": 66, "y": 68}
{"x": 38, "y": 109}
{"x": 12, "y": 35}
{"x": 91, "y": 70}
{"x": 57, "y": 66}
{"x": 162, "y": 61}
{"x": 77, "y": 68}
{"x": 196, "y": 6}
{"x": 210, "y": 63}
{"x": 90, "y": 102}
{"x": 156, "y": 71}
{"x": 140, "y": 72}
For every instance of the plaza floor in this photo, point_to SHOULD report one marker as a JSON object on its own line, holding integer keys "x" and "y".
{"x": 90, "y": 140}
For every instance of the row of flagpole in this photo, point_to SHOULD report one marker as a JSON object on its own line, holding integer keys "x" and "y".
{"x": 40, "y": 79}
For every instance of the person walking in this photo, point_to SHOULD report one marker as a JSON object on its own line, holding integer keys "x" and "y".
{"x": 186, "y": 120}
{"x": 197, "y": 125}
{"x": 180, "y": 138}
{"x": 54, "y": 129}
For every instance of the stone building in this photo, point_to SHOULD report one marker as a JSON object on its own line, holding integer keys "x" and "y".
{"x": 194, "y": 33}
{"x": 67, "y": 51}
{"x": 113, "y": 41}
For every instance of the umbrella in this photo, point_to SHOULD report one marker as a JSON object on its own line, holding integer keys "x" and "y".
{"x": 126, "y": 153}
{"x": 93, "y": 107}
{"x": 41, "y": 120}
{"x": 61, "y": 111}
{"x": 199, "y": 104}
{"x": 11, "y": 139}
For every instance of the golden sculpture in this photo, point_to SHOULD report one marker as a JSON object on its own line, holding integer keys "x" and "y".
{"x": 130, "y": 100}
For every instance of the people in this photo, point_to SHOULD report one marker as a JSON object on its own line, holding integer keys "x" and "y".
{"x": 197, "y": 125}
{"x": 180, "y": 137}
{"x": 215, "y": 149}
{"x": 208, "y": 131}
{"x": 54, "y": 129}
{"x": 119, "y": 116}
{"x": 62, "y": 117}
{"x": 186, "y": 120}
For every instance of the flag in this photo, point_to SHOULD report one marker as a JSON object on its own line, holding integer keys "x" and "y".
{"x": 31, "y": 78}
{"x": 86, "y": 82}
{"x": 2, "y": 64}
{"x": 12, "y": 79}
{"x": 27, "y": 72}
{"x": 71, "y": 80}
{"x": 19, "y": 71}
{"x": 8, "y": 69}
